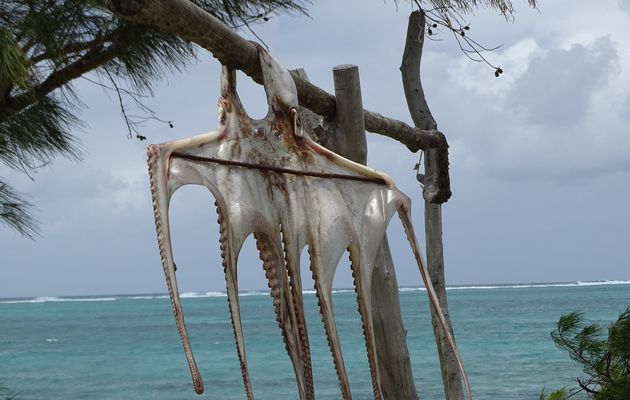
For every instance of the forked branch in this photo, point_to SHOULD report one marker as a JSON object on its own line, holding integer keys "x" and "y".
{"x": 422, "y": 118}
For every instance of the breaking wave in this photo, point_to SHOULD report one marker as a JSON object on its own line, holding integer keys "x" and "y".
{"x": 55, "y": 299}
{"x": 528, "y": 285}
{"x": 194, "y": 295}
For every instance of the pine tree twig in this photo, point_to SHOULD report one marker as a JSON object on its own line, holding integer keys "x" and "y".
{"x": 452, "y": 20}
{"x": 59, "y": 78}
{"x": 132, "y": 122}
{"x": 69, "y": 49}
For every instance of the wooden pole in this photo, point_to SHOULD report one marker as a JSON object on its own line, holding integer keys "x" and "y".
{"x": 350, "y": 136}
{"x": 422, "y": 118}
{"x": 396, "y": 377}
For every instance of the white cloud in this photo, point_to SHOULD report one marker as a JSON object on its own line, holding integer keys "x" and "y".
{"x": 560, "y": 114}
{"x": 479, "y": 78}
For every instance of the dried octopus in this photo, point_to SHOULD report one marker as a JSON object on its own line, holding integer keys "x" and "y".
{"x": 271, "y": 180}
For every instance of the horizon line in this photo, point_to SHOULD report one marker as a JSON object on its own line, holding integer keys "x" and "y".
{"x": 198, "y": 294}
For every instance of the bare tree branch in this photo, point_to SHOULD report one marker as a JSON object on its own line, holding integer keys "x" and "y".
{"x": 422, "y": 118}
{"x": 69, "y": 49}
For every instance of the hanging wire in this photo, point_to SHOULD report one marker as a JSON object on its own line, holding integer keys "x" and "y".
{"x": 419, "y": 175}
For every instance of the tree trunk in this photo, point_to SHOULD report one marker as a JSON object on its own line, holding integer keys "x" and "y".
{"x": 422, "y": 118}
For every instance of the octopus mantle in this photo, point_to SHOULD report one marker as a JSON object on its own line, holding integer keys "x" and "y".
{"x": 272, "y": 181}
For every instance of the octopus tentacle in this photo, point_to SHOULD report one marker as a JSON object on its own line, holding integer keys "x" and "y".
{"x": 324, "y": 300}
{"x": 363, "y": 302}
{"x": 278, "y": 281}
{"x": 229, "y": 269}
{"x": 292, "y": 262}
{"x": 403, "y": 213}
{"x": 160, "y": 199}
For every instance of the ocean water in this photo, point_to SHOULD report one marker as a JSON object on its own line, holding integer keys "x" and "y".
{"x": 127, "y": 347}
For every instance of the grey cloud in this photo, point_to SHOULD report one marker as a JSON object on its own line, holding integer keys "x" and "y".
{"x": 537, "y": 125}
{"x": 624, "y": 108}
{"x": 557, "y": 87}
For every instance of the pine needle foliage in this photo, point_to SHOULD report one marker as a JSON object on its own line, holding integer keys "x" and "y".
{"x": 505, "y": 7}
{"x": 455, "y": 9}
{"x": 46, "y": 44}
{"x": 237, "y": 13}
{"x": 604, "y": 360}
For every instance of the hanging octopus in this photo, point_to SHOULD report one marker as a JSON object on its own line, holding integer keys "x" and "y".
{"x": 270, "y": 180}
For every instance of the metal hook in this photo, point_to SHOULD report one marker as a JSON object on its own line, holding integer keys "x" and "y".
{"x": 297, "y": 123}
{"x": 420, "y": 177}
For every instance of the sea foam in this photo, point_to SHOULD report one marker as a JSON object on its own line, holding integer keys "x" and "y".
{"x": 56, "y": 299}
{"x": 194, "y": 295}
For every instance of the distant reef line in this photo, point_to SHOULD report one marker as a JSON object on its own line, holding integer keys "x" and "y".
{"x": 193, "y": 295}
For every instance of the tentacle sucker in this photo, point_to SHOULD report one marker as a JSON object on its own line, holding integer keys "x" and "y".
{"x": 324, "y": 300}
{"x": 363, "y": 301}
{"x": 292, "y": 261}
{"x": 278, "y": 280}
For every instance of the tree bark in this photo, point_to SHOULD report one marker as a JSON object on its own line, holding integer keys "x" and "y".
{"x": 192, "y": 23}
{"x": 422, "y": 118}
{"x": 391, "y": 336}
{"x": 396, "y": 377}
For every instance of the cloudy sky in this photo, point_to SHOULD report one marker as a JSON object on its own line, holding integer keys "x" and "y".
{"x": 540, "y": 157}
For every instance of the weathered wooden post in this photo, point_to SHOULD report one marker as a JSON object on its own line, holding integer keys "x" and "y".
{"x": 349, "y": 140}
{"x": 422, "y": 118}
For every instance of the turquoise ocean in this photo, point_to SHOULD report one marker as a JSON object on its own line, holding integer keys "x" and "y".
{"x": 127, "y": 347}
